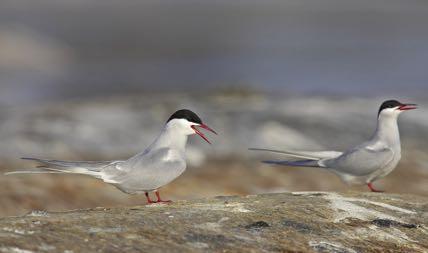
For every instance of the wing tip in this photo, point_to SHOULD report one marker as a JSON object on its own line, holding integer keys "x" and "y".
{"x": 272, "y": 162}
{"x": 17, "y": 172}
{"x": 29, "y": 158}
{"x": 258, "y": 149}
{"x": 299, "y": 163}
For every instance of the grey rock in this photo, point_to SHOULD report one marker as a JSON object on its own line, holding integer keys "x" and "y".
{"x": 285, "y": 222}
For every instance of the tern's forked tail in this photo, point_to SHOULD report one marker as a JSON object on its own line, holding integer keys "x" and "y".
{"x": 301, "y": 158}
{"x": 55, "y": 166}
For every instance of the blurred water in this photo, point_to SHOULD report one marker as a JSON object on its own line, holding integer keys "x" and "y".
{"x": 88, "y": 48}
{"x": 115, "y": 127}
{"x": 111, "y": 128}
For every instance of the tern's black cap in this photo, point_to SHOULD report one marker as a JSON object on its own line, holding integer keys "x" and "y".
{"x": 389, "y": 104}
{"x": 186, "y": 114}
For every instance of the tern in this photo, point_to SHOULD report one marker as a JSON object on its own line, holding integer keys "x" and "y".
{"x": 362, "y": 164}
{"x": 159, "y": 164}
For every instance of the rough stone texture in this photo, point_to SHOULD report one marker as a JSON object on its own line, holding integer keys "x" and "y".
{"x": 286, "y": 222}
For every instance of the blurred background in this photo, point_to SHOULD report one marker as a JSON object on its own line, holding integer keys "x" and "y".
{"x": 96, "y": 79}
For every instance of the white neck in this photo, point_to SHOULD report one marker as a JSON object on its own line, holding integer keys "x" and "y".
{"x": 387, "y": 130}
{"x": 169, "y": 138}
{"x": 172, "y": 136}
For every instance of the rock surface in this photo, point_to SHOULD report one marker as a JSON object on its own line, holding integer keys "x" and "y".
{"x": 287, "y": 222}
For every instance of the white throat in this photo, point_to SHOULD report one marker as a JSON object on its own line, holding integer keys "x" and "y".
{"x": 174, "y": 135}
{"x": 169, "y": 138}
{"x": 387, "y": 129}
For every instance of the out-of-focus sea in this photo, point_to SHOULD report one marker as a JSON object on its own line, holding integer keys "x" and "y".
{"x": 111, "y": 128}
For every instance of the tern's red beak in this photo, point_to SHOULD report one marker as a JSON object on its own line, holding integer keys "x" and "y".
{"x": 194, "y": 127}
{"x": 406, "y": 107}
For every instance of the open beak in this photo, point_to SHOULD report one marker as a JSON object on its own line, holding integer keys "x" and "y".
{"x": 406, "y": 107}
{"x": 194, "y": 127}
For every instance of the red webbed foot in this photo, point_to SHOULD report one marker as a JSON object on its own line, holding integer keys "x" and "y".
{"x": 149, "y": 201}
{"x": 160, "y": 200}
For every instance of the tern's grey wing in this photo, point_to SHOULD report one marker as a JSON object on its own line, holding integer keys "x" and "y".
{"x": 147, "y": 172}
{"x": 361, "y": 161}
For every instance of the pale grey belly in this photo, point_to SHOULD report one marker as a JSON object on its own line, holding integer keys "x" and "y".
{"x": 375, "y": 175}
{"x": 150, "y": 180}
{"x": 384, "y": 171}
{"x": 350, "y": 179}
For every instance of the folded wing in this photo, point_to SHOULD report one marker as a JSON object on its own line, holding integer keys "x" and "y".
{"x": 361, "y": 161}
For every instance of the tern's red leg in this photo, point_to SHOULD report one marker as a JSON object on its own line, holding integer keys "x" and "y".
{"x": 149, "y": 201}
{"x": 372, "y": 188}
{"x": 160, "y": 200}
